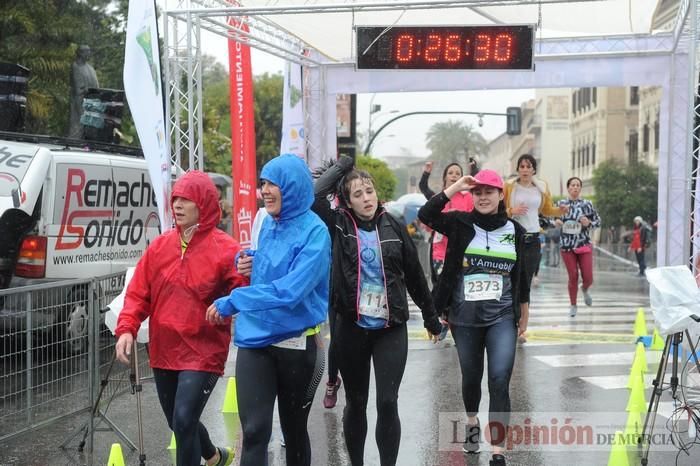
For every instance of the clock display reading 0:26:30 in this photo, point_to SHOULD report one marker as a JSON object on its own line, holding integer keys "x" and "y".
{"x": 445, "y": 47}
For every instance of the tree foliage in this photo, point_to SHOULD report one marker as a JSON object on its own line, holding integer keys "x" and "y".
{"x": 43, "y": 36}
{"x": 623, "y": 192}
{"x": 267, "y": 97}
{"x": 268, "y": 116}
{"x": 454, "y": 140}
{"x": 384, "y": 179}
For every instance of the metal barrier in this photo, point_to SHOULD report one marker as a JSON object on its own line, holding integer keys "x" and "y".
{"x": 56, "y": 351}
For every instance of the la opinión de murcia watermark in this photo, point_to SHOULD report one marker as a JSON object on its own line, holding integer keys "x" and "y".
{"x": 553, "y": 431}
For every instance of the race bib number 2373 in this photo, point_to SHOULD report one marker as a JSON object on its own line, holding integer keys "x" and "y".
{"x": 482, "y": 287}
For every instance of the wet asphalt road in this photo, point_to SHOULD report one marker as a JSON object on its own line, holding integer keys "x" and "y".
{"x": 570, "y": 372}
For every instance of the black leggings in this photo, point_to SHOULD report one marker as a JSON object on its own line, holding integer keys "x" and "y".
{"x": 388, "y": 349}
{"x": 499, "y": 342}
{"x": 533, "y": 255}
{"x": 182, "y": 396}
{"x": 332, "y": 364}
{"x": 291, "y": 376}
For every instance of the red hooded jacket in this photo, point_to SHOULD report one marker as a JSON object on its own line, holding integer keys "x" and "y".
{"x": 174, "y": 290}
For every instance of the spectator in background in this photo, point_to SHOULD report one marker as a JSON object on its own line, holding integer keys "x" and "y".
{"x": 641, "y": 240}
{"x": 225, "y": 206}
{"x": 577, "y": 225}
{"x": 461, "y": 201}
{"x": 526, "y": 199}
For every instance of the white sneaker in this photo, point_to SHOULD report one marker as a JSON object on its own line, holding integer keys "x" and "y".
{"x": 572, "y": 310}
{"x": 587, "y": 297}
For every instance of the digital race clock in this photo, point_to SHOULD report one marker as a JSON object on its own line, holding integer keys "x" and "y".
{"x": 445, "y": 47}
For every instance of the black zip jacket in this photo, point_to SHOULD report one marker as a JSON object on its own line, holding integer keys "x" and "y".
{"x": 459, "y": 229}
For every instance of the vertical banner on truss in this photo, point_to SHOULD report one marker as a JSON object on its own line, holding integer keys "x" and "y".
{"x": 293, "y": 138}
{"x": 242, "y": 135}
{"x": 144, "y": 92}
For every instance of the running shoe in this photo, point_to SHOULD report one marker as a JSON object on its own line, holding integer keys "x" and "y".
{"x": 497, "y": 460}
{"x": 572, "y": 310}
{"x": 331, "y": 397}
{"x": 225, "y": 456}
{"x": 587, "y": 297}
{"x": 471, "y": 443}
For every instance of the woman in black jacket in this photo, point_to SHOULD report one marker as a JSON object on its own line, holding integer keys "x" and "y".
{"x": 374, "y": 264}
{"x": 484, "y": 277}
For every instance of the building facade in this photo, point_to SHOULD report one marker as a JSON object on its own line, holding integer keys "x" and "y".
{"x": 604, "y": 125}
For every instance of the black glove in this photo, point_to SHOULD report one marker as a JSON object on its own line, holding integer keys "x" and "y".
{"x": 328, "y": 177}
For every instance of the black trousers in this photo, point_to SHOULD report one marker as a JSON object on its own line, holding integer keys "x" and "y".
{"x": 387, "y": 349}
{"x": 291, "y": 376}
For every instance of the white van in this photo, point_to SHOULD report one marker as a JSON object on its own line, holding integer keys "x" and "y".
{"x": 67, "y": 212}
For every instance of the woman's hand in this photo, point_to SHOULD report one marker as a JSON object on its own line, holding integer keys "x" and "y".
{"x": 244, "y": 264}
{"x": 123, "y": 347}
{"x": 428, "y": 167}
{"x": 462, "y": 184}
{"x": 213, "y": 316}
{"x": 519, "y": 210}
{"x": 524, "y": 317}
{"x": 584, "y": 221}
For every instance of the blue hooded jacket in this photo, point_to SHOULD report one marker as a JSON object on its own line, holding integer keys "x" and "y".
{"x": 288, "y": 290}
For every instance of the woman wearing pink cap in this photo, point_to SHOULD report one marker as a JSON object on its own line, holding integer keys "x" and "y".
{"x": 484, "y": 277}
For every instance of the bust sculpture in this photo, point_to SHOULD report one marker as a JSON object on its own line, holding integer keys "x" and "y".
{"x": 82, "y": 77}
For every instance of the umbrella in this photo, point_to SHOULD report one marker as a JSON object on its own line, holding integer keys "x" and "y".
{"x": 406, "y": 207}
{"x": 394, "y": 208}
{"x": 412, "y": 202}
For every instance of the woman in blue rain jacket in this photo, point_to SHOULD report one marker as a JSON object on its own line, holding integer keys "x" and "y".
{"x": 278, "y": 317}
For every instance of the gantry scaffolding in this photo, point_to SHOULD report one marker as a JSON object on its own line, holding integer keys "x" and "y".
{"x": 668, "y": 59}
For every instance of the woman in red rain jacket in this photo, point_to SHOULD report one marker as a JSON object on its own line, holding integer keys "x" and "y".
{"x": 178, "y": 277}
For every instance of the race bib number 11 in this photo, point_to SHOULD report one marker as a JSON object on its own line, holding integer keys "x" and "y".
{"x": 373, "y": 302}
{"x": 482, "y": 287}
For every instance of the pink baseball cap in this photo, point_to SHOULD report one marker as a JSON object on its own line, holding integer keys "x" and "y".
{"x": 489, "y": 178}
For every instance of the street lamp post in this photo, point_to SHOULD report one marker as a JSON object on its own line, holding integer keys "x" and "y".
{"x": 372, "y": 110}
{"x": 372, "y": 137}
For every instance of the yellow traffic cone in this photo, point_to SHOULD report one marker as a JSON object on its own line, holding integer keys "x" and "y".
{"x": 657, "y": 342}
{"x": 633, "y": 427}
{"x": 636, "y": 378}
{"x": 640, "y": 358}
{"x": 231, "y": 398}
{"x": 116, "y": 458}
{"x": 640, "y": 325}
{"x": 637, "y": 401}
{"x": 618, "y": 452}
{"x": 172, "y": 449}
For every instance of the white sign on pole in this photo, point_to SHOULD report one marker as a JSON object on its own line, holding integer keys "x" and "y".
{"x": 144, "y": 92}
{"x": 293, "y": 138}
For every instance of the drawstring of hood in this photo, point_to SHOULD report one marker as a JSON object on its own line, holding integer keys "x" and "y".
{"x": 189, "y": 232}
